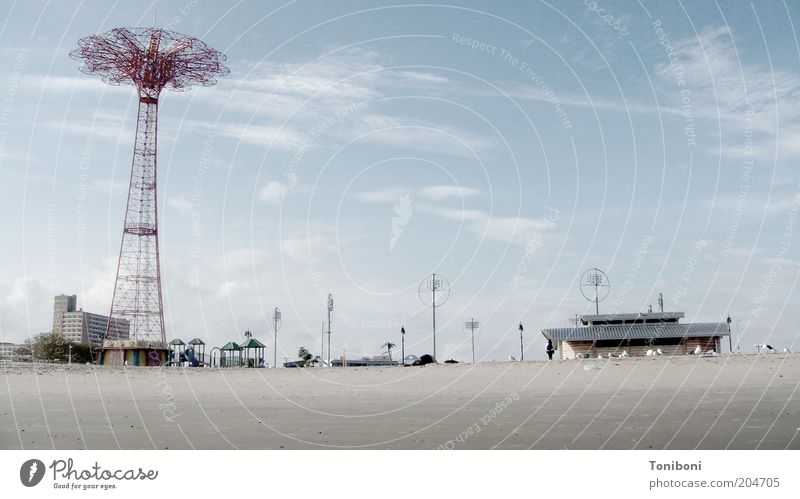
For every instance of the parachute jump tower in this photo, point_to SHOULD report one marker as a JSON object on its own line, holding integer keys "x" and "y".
{"x": 150, "y": 59}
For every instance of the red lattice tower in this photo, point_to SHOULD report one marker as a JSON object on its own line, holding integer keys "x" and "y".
{"x": 150, "y": 59}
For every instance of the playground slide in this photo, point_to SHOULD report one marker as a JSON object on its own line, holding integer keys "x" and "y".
{"x": 189, "y": 353}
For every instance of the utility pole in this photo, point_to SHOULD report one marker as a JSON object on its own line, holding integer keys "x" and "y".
{"x": 521, "y": 349}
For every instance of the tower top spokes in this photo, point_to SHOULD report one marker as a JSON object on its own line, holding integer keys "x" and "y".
{"x": 151, "y": 59}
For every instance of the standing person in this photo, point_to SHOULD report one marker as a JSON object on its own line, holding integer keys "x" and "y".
{"x": 550, "y": 349}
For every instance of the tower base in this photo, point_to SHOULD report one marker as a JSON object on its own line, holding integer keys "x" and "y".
{"x": 132, "y": 353}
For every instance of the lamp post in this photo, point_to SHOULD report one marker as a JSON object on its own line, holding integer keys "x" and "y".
{"x": 403, "y": 343}
{"x": 70, "y": 355}
{"x": 521, "y": 349}
{"x": 276, "y": 320}
{"x": 730, "y": 340}
{"x": 330, "y": 310}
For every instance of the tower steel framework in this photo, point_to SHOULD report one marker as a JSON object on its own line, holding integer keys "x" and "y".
{"x": 150, "y": 59}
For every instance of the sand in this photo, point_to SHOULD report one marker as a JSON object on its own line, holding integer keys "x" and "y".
{"x": 736, "y": 402}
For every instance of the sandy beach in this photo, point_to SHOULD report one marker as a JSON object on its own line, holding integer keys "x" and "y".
{"x": 686, "y": 402}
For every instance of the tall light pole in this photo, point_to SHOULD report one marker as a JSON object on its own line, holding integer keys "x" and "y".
{"x": 521, "y": 349}
{"x": 330, "y": 310}
{"x": 472, "y": 324}
{"x": 730, "y": 340}
{"x": 276, "y": 321}
{"x": 434, "y": 283}
{"x": 403, "y": 343}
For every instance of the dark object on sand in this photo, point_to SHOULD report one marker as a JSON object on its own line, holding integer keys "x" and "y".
{"x": 425, "y": 359}
{"x": 550, "y": 349}
{"x": 451, "y": 361}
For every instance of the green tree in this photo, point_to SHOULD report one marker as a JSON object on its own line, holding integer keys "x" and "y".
{"x": 54, "y": 347}
{"x": 305, "y": 356}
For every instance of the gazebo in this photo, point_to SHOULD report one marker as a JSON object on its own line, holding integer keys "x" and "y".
{"x": 176, "y": 348}
{"x": 199, "y": 347}
{"x": 230, "y": 355}
{"x": 254, "y": 352}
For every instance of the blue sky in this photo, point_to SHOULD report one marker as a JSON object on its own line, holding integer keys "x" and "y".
{"x": 357, "y": 147}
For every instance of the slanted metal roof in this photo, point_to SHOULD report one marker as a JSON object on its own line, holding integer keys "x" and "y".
{"x": 649, "y": 316}
{"x": 252, "y": 343}
{"x": 646, "y": 331}
{"x": 196, "y": 341}
{"x": 177, "y": 341}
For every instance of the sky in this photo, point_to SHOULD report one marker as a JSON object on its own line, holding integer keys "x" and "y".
{"x": 357, "y": 147}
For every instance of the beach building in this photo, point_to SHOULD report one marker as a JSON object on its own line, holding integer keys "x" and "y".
{"x": 375, "y": 360}
{"x": 78, "y": 326}
{"x": 13, "y": 352}
{"x": 635, "y": 333}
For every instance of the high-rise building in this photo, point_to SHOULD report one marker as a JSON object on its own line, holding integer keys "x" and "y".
{"x": 61, "y": 305}
{"x": 78, "y": 326}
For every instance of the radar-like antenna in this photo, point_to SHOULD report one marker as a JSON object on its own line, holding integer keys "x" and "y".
{"x": 595, "y": 281}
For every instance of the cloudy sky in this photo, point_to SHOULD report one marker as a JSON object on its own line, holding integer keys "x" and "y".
{"x": 356, "y": 148}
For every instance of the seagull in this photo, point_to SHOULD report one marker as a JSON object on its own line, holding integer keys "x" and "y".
{"x": 659, "y": 352}
{"x": 767, "y": 347}
{"x": 786, "y": 350}
{"x": 625, "y": 354}
{"x": 650, "y": 353}
{"x": 511, "y": 358}
{"x": 698, "y": 350}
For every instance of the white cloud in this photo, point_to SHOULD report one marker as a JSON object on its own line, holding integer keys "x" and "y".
{"x": 273, "y": 192}
{"x": 440, "y": 192}
{"x": 179, "y": 203}
{"x": 307, "y": 249}
{"x": 723, "y": 86}
{"x": 516, "y": 230}
{"x": 69, "y": 84}
{"x": 381, "y": 196}
{"x": 432, "y": 192}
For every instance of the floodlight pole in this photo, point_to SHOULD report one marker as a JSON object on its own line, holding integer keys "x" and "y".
{"x": 521, "y": 348}
{"x": 330, "y": 309}
{"x": 433, "y": 290}
{"x": 596, "y": 295}
{"x": 276, "y": 317}
{"x": 472, "y": 329}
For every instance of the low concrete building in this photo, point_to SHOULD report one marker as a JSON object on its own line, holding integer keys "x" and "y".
{"x": 612, "y": 334}
{"x": 14, "y": 352}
